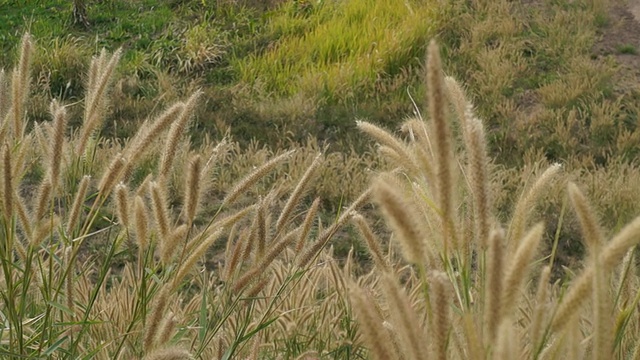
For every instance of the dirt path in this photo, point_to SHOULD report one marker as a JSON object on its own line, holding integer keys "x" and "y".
{"x": 634, "y": 9}
{"x": 621, "y": 38}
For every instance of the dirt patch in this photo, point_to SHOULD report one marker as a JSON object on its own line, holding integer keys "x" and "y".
{"x": 634, "y": 8}
{"x": 621, "y": 39}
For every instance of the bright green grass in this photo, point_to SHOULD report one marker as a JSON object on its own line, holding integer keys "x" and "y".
{"x": 339, "y": 48}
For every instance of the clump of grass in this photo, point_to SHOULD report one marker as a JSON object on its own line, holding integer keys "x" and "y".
{"x": 628, "y": 49}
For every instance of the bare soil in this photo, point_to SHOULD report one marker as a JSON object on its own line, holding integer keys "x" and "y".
{"x": 623, "y": 32}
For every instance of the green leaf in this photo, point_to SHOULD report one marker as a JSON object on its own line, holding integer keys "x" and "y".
{"x": 55, "y": 346}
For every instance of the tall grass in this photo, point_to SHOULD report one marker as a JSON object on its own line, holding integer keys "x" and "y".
{"x": 104, "y": 256}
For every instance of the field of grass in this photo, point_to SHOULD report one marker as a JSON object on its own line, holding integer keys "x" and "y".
{"x": 201, "y": 189}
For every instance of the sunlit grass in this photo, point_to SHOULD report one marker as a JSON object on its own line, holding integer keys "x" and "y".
{"x": 339, "y": 49}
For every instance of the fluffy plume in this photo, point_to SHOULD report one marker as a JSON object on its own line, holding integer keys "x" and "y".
{"x": 154, "y": 318}
{"x": 122, "y": 204}
{"x": 192, "y": 189}
{"x": 443, "y": 144}
{"x": 404, "y": 318}
{"x": 371, "y": 324}
{"x": 519, "y": 268}
{"x": 373, "y": 244}
{"x": 100, "y": 74}
{"x": 175, "y": 134}
{"x": 188, "y": 264}
{"x": 158, "y": 200}
{"x": 325, "y": 235}
{"x": 142, "y": 222}
{"x": 78, "y": 202}
{"x": 253, "y": 177}
{"x": 478, "y": 162}
{"x": 20, "y": 86}
{"x": 59, "y": 125}
{"x": 297, "y": 193}
{"x": 591, "y": 231}
{"x": 527, "y": 201}
{"x": 401, "y": 216}
{"x": 494, "y": 284}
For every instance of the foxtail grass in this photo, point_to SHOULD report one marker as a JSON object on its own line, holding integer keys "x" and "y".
{"x": 100, "y": 75}
{"x": 69, "y": 289}
{"x": 193, "y": 188}
{"x": 59, "y": 126}
{"x": 176, "y": 131}
{"x": 20, "y": 86}
{"x": 402, "y": 218}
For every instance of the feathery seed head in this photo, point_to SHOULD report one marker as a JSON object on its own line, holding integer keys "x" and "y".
{"x": 401, "y": 216}
{"x": 615, "y": 249}
{"x": 149, "y": 133}
{"x": 372, "y": 241}
{"x": 154, "y": 318}
{"x": 527, "y": 201}
{"x": 192, "y": 189}
{"x": 443, "y": 143}
{"x": 100, "y": 74}
{"x": 371, "y": 324}
{"x": 175, "y": 134}
{"x": 78, "y": 202}
{"x": 297, "y": 193}
{"x": 591, "y": 231}
{"x": 122, "y": 204}
{"x": 441, "y": 320}
{"x": 170, "y": 243}
{"x": 158, "y": 200}
{"x": 7, "y": 199}
{"x": 519, "y": 268}
{"x": 478, "y": 162}
{"x": 112, "y": 175}
{"x": 325, "y": 235}
{"x": 43, "y": 199}
{"x": 404, "y": 317}
{"x": 20, "y": 86}
{"x": 142, "y": 222}
{"x": 170, "y": 353}
{"x": 59, "y": 114}
{"x": 457, "y": 98}
{"x": 307, "y": 223}
{"x": 194, "y": 256}
{"x": 494, "y": 285}
{"x": 253, "y": 177}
